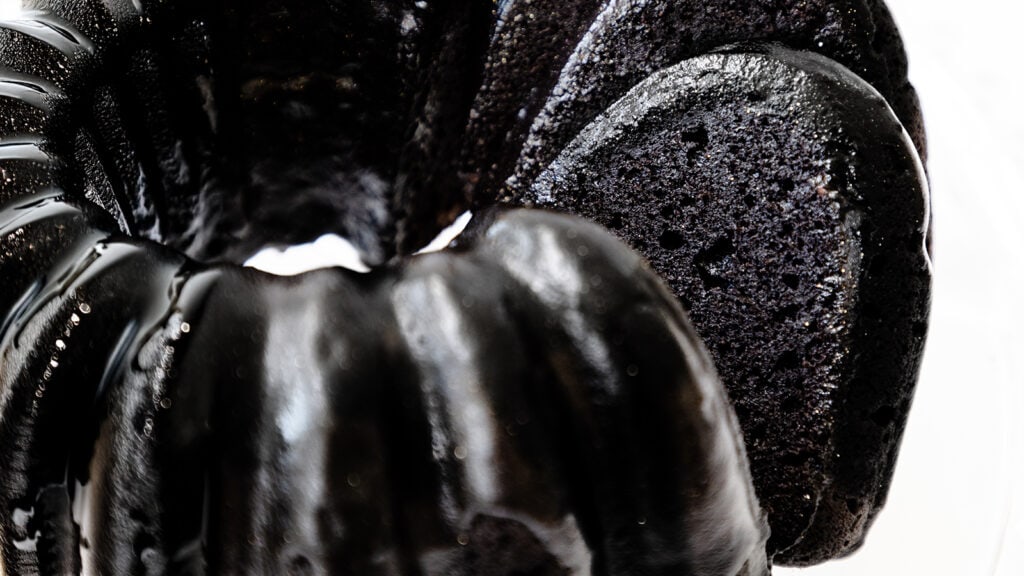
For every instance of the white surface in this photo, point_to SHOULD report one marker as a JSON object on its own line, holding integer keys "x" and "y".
{"x": 957, "y": 501}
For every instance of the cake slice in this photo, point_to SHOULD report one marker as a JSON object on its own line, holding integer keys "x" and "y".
{"x": 546, "y": 79}
{"x": 782, "y": 200}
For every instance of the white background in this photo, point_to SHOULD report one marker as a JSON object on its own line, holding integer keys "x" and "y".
{"x": 957, "y": 501}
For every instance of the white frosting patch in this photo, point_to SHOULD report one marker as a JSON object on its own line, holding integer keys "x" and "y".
{"x": 445, "y": 237}
{"x": 27, "y": 545}
{"x": 327, "y": 251}
{"x": 331, "y": 250}
{"x": 21, "y": 520}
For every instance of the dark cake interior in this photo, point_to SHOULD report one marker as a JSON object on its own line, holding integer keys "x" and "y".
{"x": 528, "y": 113}
{"x": 782, "y": 201}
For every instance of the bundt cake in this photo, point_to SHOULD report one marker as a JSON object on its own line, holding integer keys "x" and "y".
{"x": 534, "y": 403}
{"x": 530, "y": 401}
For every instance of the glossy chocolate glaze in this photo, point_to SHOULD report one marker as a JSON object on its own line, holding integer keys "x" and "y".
{"x": 536, "y": 385}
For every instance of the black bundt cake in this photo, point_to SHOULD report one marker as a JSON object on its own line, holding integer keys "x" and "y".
{"x": 537, "y": 393}
{"x": 164, "y": 411}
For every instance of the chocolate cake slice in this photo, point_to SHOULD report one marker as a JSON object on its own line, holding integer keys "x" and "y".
{"x": 529, "y": 44}
{"x": 783, "y": 201}
{"x": 547, "y": 78}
